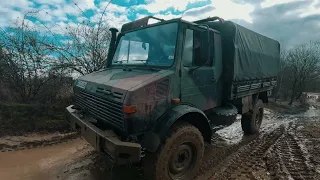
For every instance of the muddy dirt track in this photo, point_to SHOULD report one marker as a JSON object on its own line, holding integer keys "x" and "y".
{"x": 288, "y": 147}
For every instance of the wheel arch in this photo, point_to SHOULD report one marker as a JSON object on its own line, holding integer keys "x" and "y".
{"x": 178, "y": 114}
{"x": 246, "y": 103}
{"x": 200, "y": 121}
{"x": 185, "y": 113}
{"x": 264, "y": 96}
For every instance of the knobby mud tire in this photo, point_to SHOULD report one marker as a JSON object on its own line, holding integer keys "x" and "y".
{"x": 156, "y": 165}
{"x": 248, "y": 121}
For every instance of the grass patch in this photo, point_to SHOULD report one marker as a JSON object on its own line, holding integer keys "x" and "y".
{"x": 18, "y": 119}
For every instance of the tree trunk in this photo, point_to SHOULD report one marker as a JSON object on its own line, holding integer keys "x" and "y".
{"x": 299, "y": 95}
{"x": 292, "y": 98}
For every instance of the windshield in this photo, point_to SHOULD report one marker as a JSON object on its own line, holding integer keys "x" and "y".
{"x": 152, "y": 46}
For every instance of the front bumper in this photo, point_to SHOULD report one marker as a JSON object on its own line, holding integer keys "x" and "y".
{"x": 105, "y": 141}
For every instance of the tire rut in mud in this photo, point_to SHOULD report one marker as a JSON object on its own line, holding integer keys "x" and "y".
{"x": 248, "y": 161}
{"x": 287, "y": 159}
{"x": 39, "y": 143}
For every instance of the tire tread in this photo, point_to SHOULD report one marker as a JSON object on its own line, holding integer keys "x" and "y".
{"x": 152, "y": 160}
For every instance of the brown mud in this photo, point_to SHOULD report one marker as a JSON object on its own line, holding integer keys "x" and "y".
{"x": 41, "y": 163}
{"x": 281, "y": 154}
{"x": 287, "y": 147}
{"x": 13, "y": 143}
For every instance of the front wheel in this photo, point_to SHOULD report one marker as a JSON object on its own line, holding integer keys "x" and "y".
{"x": 251, "y": 121}
{"x": 179, "y": 157}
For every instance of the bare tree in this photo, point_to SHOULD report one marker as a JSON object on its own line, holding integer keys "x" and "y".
{"x": 29, "y": 57}
{"x": 25, "y": 58}
{"x": 302, "y": 66}
{"x": 86, "y": 49}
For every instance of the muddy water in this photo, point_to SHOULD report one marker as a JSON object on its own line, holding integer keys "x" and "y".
{"x": 40, "y": 163}
{"x": 95, "y": 167}
{"x": 312, "y": 112}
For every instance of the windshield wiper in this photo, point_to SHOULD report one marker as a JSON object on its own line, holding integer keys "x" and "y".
{"x": 146, "y": 63}
{"x": 141, "y": 61}
{"x": 124, "y": 66}
{"x": 121, "y": 62}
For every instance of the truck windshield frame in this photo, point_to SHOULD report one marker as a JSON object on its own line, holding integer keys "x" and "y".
{"x": 152, "y": 46}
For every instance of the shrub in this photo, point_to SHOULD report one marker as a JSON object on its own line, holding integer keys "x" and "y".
{"x": 17, "y": 119}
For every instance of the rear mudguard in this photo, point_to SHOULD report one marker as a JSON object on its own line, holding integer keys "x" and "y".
{"x": 153, "y": 138}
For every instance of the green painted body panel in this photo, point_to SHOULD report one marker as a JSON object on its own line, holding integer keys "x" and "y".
{"x": 152, "y": 89}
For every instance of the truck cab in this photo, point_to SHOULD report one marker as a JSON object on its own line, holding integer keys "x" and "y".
{"x": 159, "y": 97}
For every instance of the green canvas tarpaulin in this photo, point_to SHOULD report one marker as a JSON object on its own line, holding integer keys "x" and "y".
{"x": 246, "y": 54}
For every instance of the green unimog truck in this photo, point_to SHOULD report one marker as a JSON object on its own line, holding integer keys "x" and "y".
{"x": 167, "y": 85}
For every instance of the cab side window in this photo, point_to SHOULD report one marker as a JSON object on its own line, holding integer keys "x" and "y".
{"x": 195, "y": 51}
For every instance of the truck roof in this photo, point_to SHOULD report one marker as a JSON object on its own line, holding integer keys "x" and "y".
{"x": 231, "y": 28}
{"x": 143, "y": 23}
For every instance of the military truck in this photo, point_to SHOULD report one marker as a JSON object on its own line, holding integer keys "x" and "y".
{"x": 168, "y": 85}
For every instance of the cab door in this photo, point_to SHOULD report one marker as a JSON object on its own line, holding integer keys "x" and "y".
{"x": 198, "y": 81}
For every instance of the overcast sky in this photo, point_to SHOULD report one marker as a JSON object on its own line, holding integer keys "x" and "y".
{"x": 288, "y": 21}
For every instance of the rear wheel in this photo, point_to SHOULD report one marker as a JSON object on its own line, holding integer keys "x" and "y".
{"x": 179, "y": 158}
{"x": 251, "y": 121}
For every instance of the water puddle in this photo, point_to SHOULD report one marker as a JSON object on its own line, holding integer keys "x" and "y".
{"x": 39, "y": 163}
{"x": 312, "y": 112}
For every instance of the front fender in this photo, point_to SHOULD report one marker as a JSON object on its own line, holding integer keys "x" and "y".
{"x": 158, "y": 133}
{"x": 165, "y": 122}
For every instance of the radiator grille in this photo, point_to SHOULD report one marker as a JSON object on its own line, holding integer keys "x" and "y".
{"x": 104, "y": 109}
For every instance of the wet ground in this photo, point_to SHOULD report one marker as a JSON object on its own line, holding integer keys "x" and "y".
{"x": 287, "y": 147}
{"x": 12, "y": 143}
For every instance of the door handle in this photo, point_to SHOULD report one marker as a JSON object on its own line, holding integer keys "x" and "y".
{"x": 213, "y": 79}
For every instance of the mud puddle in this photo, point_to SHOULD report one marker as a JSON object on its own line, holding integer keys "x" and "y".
{"x": 95, "y": 167}
{"x": 41, "y": 163}
{"x": 312, "y": 112}
{"x": 71, "y": 160}
{"x": 11, "y": 143}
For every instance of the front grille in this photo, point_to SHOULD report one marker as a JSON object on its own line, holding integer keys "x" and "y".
{"x": 101, "y": 108}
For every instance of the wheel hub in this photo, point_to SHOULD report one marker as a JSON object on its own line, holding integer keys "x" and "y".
{"x": 181, "y": 161}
